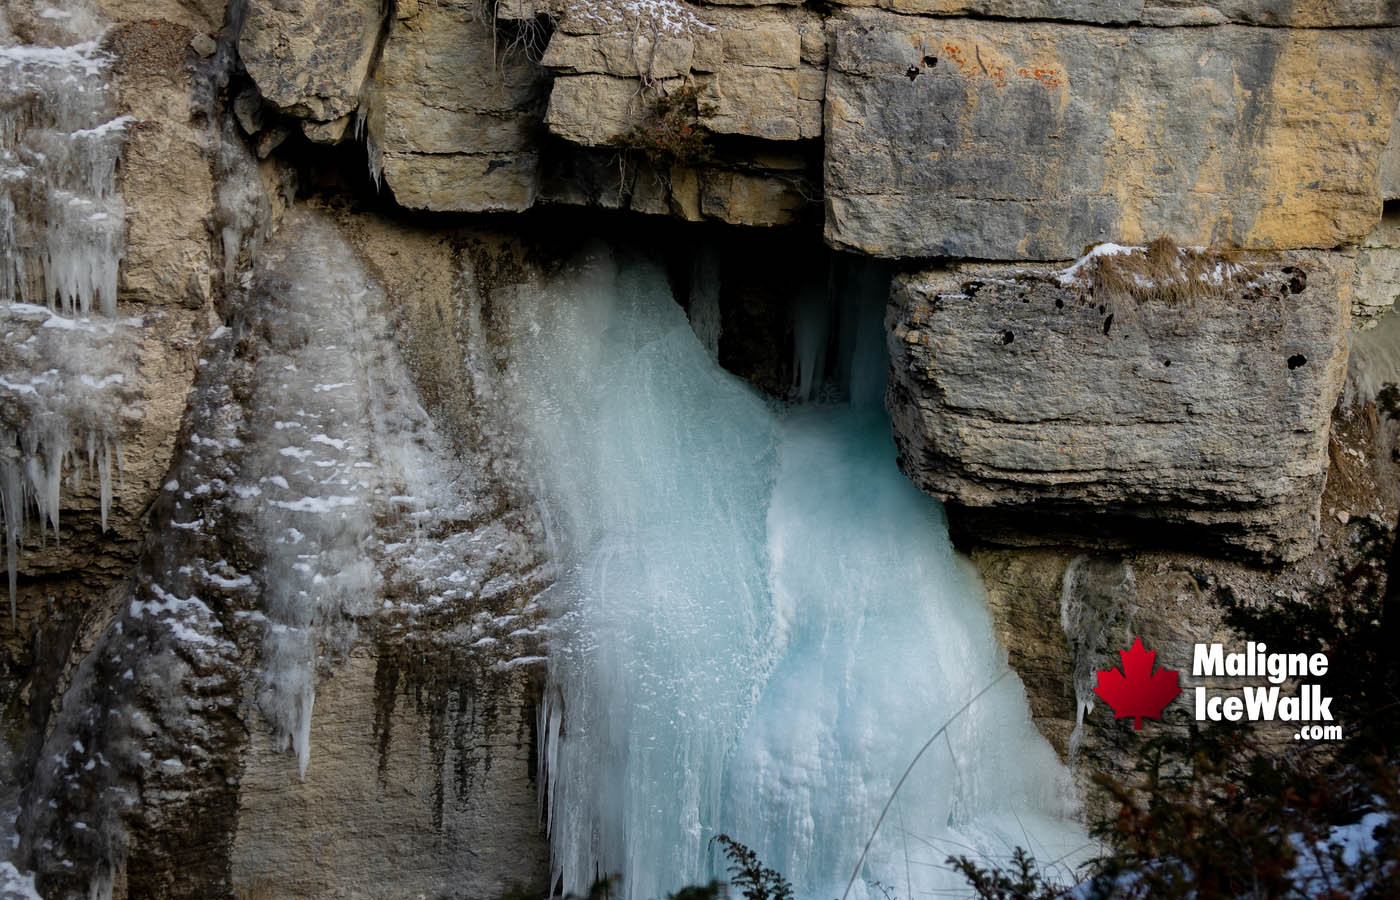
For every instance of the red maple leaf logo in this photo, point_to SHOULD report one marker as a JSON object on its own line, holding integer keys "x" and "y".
{"x": 1137, "y": 691}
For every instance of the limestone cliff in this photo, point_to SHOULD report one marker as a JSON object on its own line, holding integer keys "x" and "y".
{"x": 1114, "y": 462}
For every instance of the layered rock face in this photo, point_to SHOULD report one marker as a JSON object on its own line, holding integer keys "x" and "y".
{"x": 996, "y": 140}
{"x": 1011, "y": 133}
{"x": 1011, "y": 391}
{"x": 940, "y": 133}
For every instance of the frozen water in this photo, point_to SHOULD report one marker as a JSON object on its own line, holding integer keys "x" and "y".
{"x": 357, "y": 504}
{"x": 759, "y": 620}
{"x": 65, "y": 383}
{"x": 61, "y": 215}
{"x": 705, "y": 315}
{"x": 68, "y": 390}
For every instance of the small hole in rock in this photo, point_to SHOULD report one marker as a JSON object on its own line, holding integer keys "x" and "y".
{"x": 1167, "y": 363}
{"x": 1107, "y": 324}
{"x": 1296, "y": 360}
{"x": 1059, "y": 304}
{"x": 912, "y": 72}
{"x": 1007, "y": 337}
{"x": 1102, "y": 309}
{"x": 930, "y": 61}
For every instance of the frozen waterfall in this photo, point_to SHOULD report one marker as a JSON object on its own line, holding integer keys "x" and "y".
{"x": 66, "y": 378}
{"x": 759, "y": 620}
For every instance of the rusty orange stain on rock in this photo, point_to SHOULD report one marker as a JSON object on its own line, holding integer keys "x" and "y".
{"x": 1047, "y": 77}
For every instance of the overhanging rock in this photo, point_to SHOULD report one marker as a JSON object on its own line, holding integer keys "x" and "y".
{"x": 1025, "y": 404}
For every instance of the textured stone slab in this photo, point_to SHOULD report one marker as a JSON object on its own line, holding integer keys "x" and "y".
{"x": 1376, "y": 289}
{"x": 594, "y": 109}
{"x": 455, "y": 115}
{"x": 1011, "y": 395}
{"x": 1294, "y": 13}
{"x": 472, "y": 182}
{"x": 1011, "y": 140}
{"x": 310, "y": 57}
{"x": 774, "y": 104}
{"x": 1097, "y": 11}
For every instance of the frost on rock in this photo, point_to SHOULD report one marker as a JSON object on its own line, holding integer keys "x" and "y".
{"x": 356, "y": 504}
{"x": 311, "y": 503}
{"x": 658, "y": 17}
{"x": 1160, "y": 269}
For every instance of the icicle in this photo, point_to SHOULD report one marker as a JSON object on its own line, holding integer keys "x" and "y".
{"x": 1096, "y": 604}
{"x": 811, "y": 329}
{"x": 61, "y": 216}
{"x": 104, "y": 474}
{"x": 12, "y": 506}
{"x": 704, "y": 300}
{"x": 63, "y": 374}
{"x": 1072, "y": 621}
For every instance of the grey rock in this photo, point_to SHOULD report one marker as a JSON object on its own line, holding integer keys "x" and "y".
{"x": 1031, "y": 409}
{"x": 1376, "y": 288}
{"x": 203, "y": 44}
{"x": 248, "y": 110}
{"x": 1095, "y": 11}
{"x": 1390, "y": 162}
{"x": 1010, "y": 140}
{"x": 310, "y": 57}
{"x": 1292, "y": 13}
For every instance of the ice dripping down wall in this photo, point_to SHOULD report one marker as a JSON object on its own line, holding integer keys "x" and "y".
{"x": 760, "y": 621}
{"x": 313, "y": 504}
{"x": 67, "y": 365}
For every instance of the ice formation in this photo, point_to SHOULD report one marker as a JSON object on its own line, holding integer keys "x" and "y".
{"x": 61, "y": 215}
{"x": 66, "y": 378}
{"x": 344, "y": 479}
{"x": 760, "y": 621}
{"x": 705, "y": 316}
{"x": 68, "y": 390}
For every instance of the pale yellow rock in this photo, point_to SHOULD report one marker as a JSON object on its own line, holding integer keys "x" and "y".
{"x": 310, "y": 57}
{"x": 459, "y": 181}
{"x": 594, "y": 109}
{"x": 455, "y": 115}
{"x": 391, "y": 800}
{"x": 685, "y": 194}
{"x": 743, "y": 199}
{"x": 201, "y": 15}
{"x": 1018, "y": 140}
{"x": 709, "y": 52}
{"x": 165, "y": 175}
{"x": 652, "y": 56}
{"x": 776, "y": 45}
{"x": 774, "y": 104}
{"x": 327, "y": 132}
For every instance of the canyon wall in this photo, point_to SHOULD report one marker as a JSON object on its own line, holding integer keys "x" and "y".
{"x": 1114, "y": 463}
